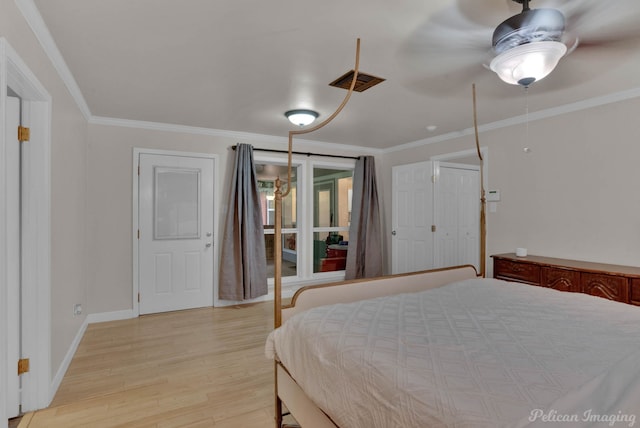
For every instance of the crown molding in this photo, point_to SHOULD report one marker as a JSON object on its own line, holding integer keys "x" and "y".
{"x": 524, "y": 118}
{"x": 236, "y": 135}
{"x": 39, "y": 28}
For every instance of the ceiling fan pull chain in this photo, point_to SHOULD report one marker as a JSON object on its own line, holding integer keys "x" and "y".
{"x": 526, "y": 117}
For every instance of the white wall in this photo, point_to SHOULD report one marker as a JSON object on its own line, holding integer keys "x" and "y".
{"x": 109, "y": 207}
{"x": 109, "y": 204}
{"x": 68, "y": 181}
{"x": 575, "y": 195}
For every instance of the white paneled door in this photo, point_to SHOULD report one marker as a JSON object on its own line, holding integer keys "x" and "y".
{"x": 435, "y": 216}
{"x": 176, "y": 240}
{"x": 412, "y": 217}
{"x": 457, "y": 215}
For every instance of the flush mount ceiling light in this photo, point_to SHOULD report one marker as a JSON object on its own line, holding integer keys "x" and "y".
{"x": 528, "y": 45}
{"x": 301, "y": 117}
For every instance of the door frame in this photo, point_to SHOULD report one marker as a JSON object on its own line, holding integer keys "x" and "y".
{"x": 37, "y": 385}
{"x": 136, "y": 218}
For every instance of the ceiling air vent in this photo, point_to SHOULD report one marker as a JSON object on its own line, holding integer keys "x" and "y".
{"x": 363, "y": 81}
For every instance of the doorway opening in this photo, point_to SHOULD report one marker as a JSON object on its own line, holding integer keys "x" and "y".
{"x": 33, "y": 223}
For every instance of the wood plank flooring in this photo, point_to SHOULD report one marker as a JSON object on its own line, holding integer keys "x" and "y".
{"x": 196, "y": 368}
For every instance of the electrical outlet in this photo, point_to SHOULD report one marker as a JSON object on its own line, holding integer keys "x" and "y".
{"x": 77, "y": 309}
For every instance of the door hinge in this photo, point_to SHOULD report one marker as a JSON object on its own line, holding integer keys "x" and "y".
{"x": 138, "y": 297}
{"x": 433, "y": 178}
{"x": 433, "y": 227}
{"x": 138, "y": 169}
{"x": 23, "y": 366}
{"x": 23, "y": 134}
{"x": 138, "y": 233}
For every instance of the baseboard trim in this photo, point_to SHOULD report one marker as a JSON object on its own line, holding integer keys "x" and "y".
{"x": 62, "y": 370}
{"x": 111, "y": 316}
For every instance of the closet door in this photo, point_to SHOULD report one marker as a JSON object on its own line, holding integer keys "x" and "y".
{"x": 412, "y": 217}
{"x": 457, "y": 215}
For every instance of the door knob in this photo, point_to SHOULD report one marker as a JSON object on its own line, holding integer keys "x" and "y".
{"x": 393, "y": 232}
{"x": 208, "y": 244}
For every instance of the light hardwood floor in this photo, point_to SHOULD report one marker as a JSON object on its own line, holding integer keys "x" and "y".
{"x": 196, "y": 368}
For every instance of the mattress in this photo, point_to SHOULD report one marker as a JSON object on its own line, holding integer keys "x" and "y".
{"x": 475, "y": 353}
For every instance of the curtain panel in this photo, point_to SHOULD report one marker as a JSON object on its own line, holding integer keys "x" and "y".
{"x": 364, "y": 258}
{"x": 243, "y": 264}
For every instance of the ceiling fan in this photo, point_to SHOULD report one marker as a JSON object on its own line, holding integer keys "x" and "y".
{"x": 521, "y": 44}
{"x": 529, "y": 45}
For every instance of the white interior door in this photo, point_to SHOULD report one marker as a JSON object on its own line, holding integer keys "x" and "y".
{"x": 457, "y": 215}
{"x": 13, "y": 252}
{"x": 412, "y": 217}
{"x": 176, "y": 232}
{"x": 446, "y": 206}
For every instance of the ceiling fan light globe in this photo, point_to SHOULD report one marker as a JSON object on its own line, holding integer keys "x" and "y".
{"x": 528, "y": 62}
{"x": 301, "y": 117}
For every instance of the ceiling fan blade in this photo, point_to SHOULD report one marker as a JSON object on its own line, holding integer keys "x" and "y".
{"x": 445, "y": 43}
{"x": 487, "y": 12}
{"x": 448, "y": 53}
{"x": 596, "y": 21}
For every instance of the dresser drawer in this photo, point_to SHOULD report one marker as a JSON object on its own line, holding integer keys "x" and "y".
{"x": 607, "y": 286}
{"x": 560, "y": 279}
{"x": 514, "y": 271}
{"x": 635, "y": 291}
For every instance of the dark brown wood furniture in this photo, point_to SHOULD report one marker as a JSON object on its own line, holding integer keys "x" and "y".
{"x": 336, "y": 258}
{"x": 613, "y": 282}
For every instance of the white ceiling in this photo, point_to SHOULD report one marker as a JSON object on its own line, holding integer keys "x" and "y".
{"x": 239, "y": 65}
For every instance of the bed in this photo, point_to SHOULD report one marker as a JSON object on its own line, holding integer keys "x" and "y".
{"x": 448, "y": 349}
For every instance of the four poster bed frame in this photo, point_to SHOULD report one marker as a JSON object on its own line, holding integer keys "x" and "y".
{"x": 287, "y": 391}
{"x": 429, "y": 336}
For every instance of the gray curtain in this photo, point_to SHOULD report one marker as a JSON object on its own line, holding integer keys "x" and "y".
{"x": 243, "y": 264}
{"x": 364, "y": 258}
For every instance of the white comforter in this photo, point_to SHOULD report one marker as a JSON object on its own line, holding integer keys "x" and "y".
{"x": 477, "y": 353}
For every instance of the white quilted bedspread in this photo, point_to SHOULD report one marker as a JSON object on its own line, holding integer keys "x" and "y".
{"x": 477, "y": 353}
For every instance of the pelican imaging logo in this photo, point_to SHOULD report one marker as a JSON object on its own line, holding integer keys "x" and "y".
{"x": 590, "y": 416}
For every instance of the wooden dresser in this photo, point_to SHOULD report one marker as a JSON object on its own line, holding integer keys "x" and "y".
{"x": 614, "y": 282}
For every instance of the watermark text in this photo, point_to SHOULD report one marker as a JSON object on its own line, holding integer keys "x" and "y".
{"x": 587, "y": 416}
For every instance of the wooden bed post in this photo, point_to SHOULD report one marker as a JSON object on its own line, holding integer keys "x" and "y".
{"x": 277, "y": 254}
{"x": 277, "y": 234}
{"x": 483, "y": 200}
{"x": 277, "y": 286}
